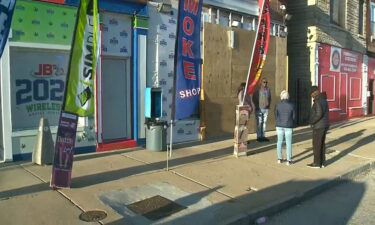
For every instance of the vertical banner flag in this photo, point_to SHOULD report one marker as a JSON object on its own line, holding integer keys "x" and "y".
{"x": 79, "y": 99}
{"x": 80, "y": 84}
{"x": 261, "y": 46}
{"x": 187, "y": 59}
{"x": 6, "y": 13}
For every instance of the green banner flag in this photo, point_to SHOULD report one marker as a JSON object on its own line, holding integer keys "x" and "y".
{"x": 79, "y": 97}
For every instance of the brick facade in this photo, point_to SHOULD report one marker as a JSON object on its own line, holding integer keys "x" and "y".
{"x": 311, "y": 24}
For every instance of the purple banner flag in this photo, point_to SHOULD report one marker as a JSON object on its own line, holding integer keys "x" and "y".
{"x": 64, "y": 151}
{"x": 188, "y": 59}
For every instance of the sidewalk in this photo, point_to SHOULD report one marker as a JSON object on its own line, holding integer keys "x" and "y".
{"x": 206, "y": 180}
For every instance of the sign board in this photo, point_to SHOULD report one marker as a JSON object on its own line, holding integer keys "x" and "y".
{"x": 37, "y": 86}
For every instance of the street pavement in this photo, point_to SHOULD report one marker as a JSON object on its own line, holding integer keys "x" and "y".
{"x": 349, "y": 203}
{"x": 208, "y": 183}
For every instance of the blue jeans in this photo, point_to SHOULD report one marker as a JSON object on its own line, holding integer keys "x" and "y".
{"x": 261, "y": 119}
{"x": 287, "y": 132}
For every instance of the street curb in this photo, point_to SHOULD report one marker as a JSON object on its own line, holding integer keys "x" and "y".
{"x": 275, "y": 207}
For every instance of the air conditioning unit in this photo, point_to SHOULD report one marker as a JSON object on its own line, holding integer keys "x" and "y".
{"x": 372, "y": 38}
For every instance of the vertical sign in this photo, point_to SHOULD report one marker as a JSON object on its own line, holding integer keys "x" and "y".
{"x": 79, "y": 99}
{"x": 187, "y": 59}
{"x": 64, "y": 151}
{"x": 6, "y": 13}
{"x": 261, "y": 46}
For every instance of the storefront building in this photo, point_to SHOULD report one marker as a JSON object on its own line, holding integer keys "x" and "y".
{"x": 34, "y": 67}
{"x": 341, "y": 78}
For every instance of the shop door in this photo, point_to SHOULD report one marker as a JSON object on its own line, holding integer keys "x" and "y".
{"x": 116, "y": 111}
{"x": 343, "y": 92}
{"x": 371, "y": 102}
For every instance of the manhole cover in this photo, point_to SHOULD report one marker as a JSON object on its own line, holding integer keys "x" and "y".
{"x": 93, "y": 216}
{"x": 155, "y": 208}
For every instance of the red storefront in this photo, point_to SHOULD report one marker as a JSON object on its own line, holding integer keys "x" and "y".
{"x": 371, "y": 86}
{"x": 340, "y": 77}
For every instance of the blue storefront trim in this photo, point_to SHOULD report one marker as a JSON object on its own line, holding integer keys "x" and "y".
{"x": 117, "y": 6}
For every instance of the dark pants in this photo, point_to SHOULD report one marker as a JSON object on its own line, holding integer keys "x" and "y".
{"x": 319, "y": 147}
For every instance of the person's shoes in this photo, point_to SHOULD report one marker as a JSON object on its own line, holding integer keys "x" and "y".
{"x": 289, "y": 163}
{"x": 265, "y": 139}
{"x": 312, "y": 165}
{"x": 259, "y": 140}
{"x": 279, "y": 161}
{"x": 322, "y": 166}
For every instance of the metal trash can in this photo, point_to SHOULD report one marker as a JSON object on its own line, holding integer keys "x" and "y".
{"x": 156, "y": 135}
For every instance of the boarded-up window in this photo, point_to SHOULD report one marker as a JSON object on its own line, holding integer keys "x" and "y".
{"x": 355, "y": 88}
{"x": 328, "y": 86}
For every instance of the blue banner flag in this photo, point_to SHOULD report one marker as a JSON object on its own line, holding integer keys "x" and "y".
{"x": 6, "y": 13}
{"x": 188, "y": 59}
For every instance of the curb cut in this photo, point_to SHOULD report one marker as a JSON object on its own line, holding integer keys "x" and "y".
{"x": 273, "y": 208}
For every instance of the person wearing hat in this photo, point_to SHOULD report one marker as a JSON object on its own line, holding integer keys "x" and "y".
{"x": 285, "y": 115}
{"x": 319, "y": 121}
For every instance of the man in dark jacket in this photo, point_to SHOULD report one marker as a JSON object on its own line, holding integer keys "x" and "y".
{"x": 319, "y": 122}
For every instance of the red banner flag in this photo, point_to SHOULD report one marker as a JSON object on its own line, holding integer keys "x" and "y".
{"x": 261, "y": 46}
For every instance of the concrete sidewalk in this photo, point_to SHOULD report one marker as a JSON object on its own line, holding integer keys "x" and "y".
{"x": 206, "y": 180}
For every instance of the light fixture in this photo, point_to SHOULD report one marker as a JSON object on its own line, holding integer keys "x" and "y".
{"x": 235, "y": 23}
{"x": 282, "y": 7}
{"x": 287, "y": 17}
{"x": 165, "y": 8}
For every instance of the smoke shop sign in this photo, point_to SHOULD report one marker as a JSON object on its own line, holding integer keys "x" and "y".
{"x": 37, "y": 87}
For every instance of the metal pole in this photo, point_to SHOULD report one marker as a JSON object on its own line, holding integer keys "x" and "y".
{"x": 170, "y": 145}
{"x": 252, "y": 54}
{"x": 171, "y": 141}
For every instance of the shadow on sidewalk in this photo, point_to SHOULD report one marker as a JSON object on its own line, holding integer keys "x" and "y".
{"x": 265, "y": 202}
{"x": 330, "y": 144}
{"x": 89, "y": 180}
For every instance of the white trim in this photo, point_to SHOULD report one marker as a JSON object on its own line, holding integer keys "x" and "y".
{"x": 316, "y": 82}
{"x": 334, "y": 86}
{"x": 142, "y": 76}
{"x": 335, "y": 110}
{"x": 364, "y": 83}
{"x": 360, "y": 91}
{"x": 343, "y": 111}
{"x": 356, "y": 107}
{"x": 41, "y": 46}
{"x": 6, "y": 104}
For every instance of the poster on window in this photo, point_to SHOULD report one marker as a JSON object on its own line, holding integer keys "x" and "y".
{"x": 37, "y": 86}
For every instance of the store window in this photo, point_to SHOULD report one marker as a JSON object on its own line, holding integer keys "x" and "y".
{"x": 360, "y": 16}
{"x": 372, "y": 18}
{"x": 338, "y": 12}
{"x": 37, "y": 86}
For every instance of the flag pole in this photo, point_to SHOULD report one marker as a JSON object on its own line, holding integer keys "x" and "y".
{"x": 252, "y": 54}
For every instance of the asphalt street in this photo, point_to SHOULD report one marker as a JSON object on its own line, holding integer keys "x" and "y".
{"x": 349, "y": 203}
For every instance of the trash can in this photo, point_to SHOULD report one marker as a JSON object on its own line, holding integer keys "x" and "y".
{"x": 156, "y": 135}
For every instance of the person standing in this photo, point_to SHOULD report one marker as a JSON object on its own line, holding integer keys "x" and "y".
{"x": 319, "y": 121}
{"x": 285, "y": 116}
{"x": 262, "y": 102}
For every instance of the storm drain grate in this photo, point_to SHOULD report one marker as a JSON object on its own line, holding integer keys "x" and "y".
{"x": 93, "y": 216}
{"x": 156, "y": 207}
